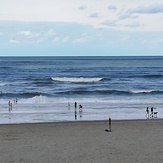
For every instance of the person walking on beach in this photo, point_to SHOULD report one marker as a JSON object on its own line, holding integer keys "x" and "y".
{"x": 147, "y": 110}
{"x": 110, "y": 124}
{"x": 152, "y": 112}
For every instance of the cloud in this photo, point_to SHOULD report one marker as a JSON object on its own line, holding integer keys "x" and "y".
{"x": 83, "y": 38}
{"x": 94, "y": 15}
{"x": 82, "y": 7}
{"x": 124, "y": 38}
{"x": 126, "y": 15}
{"x": 50, "y": 32}
{"x": 39, "y": 40}
{"x": 112, "y": 7}
{"x": 13, "y": 41}
{"x": 161, "y": 41}
{"x": 110, "y": 23}
{"x": 58, "y": 39}
{"x": 28, "y": 33}
{"x": 65, "y": 39}
{"x": 153, "y": 9}
{"x": 134, "y": 24}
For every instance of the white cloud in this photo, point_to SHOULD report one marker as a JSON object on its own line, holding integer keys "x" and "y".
{"x": 152, "y": 9}
{"x": 124, "y": 38}
{"x": 126, "y": 15}
{"x": 105, "y": 13}
{"x": 110, "y": 23}
{"x": 39, "y": 40}
{"x": 83, "y": 38}
{"x": 94, "y": 15}
{"x": 28, "y": 33}
{"x": 50, "y": 32}
{"x": 56, "y": 40}
{"x": 13, "y": 41}
{"x": 65, "y": 39}
{"x": 134, "y": 24}
{"x": 112, "y": 7}
{"x": 161, "y": 41}
{"x": 82, "y": 7}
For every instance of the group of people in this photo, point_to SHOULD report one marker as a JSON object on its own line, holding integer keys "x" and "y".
{"x": 80, "y": 110}
{"x": 10, "y": 104}
{"x": 151, "y": 114}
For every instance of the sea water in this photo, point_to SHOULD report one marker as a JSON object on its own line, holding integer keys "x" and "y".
{"x": 48, "y": 87}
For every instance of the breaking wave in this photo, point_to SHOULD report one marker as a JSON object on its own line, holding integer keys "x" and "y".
{"x": 21, "y": 95}
{"x": 110, "y": 92}
{"x": 77, "y": 80}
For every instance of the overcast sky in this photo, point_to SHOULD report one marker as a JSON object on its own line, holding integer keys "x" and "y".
{"x": 81, "y": 27}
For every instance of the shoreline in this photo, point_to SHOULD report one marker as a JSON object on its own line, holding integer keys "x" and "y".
{"x": 84, "y": 121}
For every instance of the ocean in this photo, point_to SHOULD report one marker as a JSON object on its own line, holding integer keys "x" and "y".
{"x": 47, "y": 88}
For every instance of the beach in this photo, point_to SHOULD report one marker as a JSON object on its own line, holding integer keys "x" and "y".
{"x": 85, "y": 142}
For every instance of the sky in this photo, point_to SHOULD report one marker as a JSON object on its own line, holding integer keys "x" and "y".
{"x": 81, "y": 27}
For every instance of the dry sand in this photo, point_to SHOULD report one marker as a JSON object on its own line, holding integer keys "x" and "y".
{"x": 83, "y": 142}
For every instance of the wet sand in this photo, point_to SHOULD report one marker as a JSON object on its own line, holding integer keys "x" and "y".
{"x": 137, "y": 141}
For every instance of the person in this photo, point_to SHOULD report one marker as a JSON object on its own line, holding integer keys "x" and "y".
{"x": 110, "y": 124}
{"x": 147, "y": 110}
{"x": 80, "y": 108}
{"x": 68, "y": 106}
{"x": 16, "y": 100}
{"x": 75, "y": 105}
{"x": 152, "y": 112}
{"x": 75, "y": 114}
{"x": 9, "y": 106}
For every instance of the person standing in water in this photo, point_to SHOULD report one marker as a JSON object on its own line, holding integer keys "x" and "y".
{"x": 147, "y": 110}
{"x": 9, "y": 106}
{"x": 75, "y": 105}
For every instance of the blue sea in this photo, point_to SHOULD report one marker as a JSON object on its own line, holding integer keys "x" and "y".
{"x": 48, "y": 87}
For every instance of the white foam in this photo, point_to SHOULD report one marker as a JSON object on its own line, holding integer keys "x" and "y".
{"x": 142, "y": 91}
{"x": 81, "y": 79}
{"x": 2, "y": 84}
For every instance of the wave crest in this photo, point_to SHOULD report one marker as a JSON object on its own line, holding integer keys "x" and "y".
{"x": 76, "y": 80}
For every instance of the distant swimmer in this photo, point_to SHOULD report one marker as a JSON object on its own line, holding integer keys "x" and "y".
{"x": 16, "y": 100}
{"x": 68, "y": 106}
{"x": 11, "y": 106}
{"x": 80, "y": 108}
